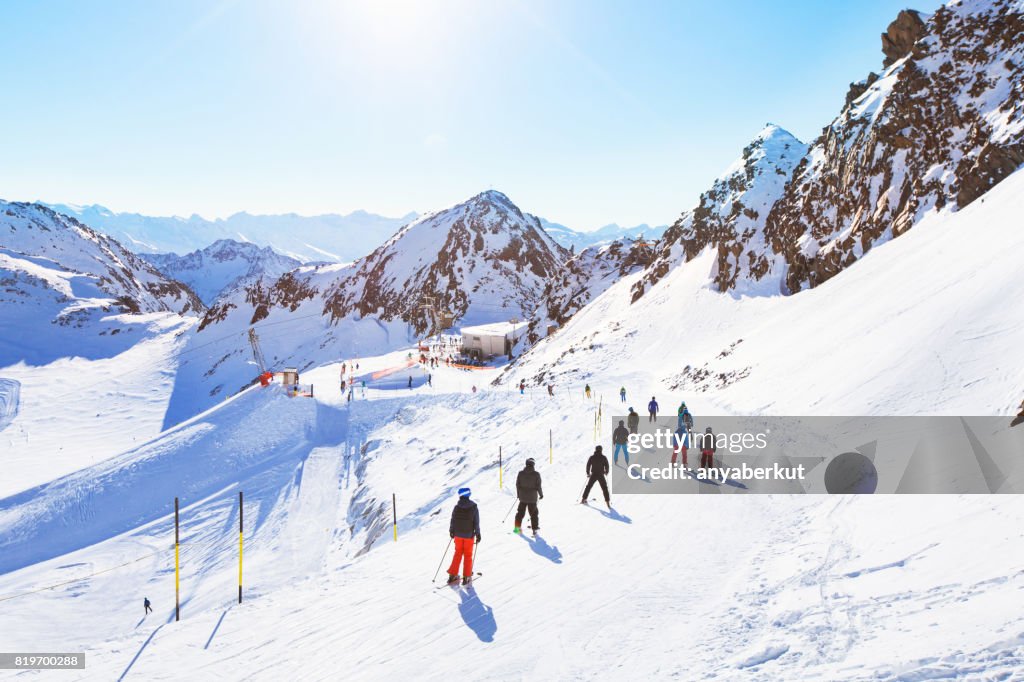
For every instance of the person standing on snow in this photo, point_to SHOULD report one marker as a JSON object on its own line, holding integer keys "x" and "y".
{"x": 652, "y": 410}
{"x": 551, "y": 390}
{"x": 463, "y": 528}
{"x": 528, "y": 490}
{"x": 410, "y": 381}
{"x": 707, "y": 449}
{"x": 522, "y": 386}
{"x": 683, "y": 417}
{"x": 597, "y": 469}
{"x": 586, "y": 390}
{"x": 619, "y": 438}
{"x": 622, "y": 394}
{"x": 633, "y": 421}
{"x": 146, "y": 606}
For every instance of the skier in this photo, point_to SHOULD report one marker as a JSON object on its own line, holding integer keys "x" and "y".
{"x": 619, "y": 438}
{"x": 430, "y": 380}
{"x": 146, "y": 606}
{"x": 682, "y": 444}
{"x": 528, "y": 490}
{"x": 410, "y": 381}
{"x": 522, "y": 386}
{"x": 707, "y": 449}
{"x": 551, "y": 390}
{"x": 586, "y": 390}
{"x": 652, "y": 409}
{"x": 464, "y": 526}
{"x": 622, "y": 394}
{"x": 597, "y": 469}
{"x": 683, "y": 417}
{"x": 633, "y": 420}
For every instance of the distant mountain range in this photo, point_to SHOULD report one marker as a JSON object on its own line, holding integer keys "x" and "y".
{"x": 323, "y": 238}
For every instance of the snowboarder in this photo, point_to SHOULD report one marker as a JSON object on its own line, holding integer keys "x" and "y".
{"x": 463, "y": 528}
{"x": 146, "y": 606}
{"x": 597, "y": 469}
{"x": 528, "y": 490}
{"x": 707, "y": 449}
{"x": 652, "y": 410}
{"x": 586, "y": 390}
{"x": 633, "y": 421}
{"x": 619, "y": 438}
{"x": 622, "y": 394}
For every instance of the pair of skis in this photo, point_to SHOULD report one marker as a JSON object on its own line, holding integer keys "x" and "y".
{"x": 594, "y": 499}
{"x": 458, "y": 583}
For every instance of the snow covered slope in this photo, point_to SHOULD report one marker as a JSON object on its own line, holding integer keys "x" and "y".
{"x": 69, "y": 290}
{"x": 329, "y": 237}
{"x": 926, "y": 324}
{"x": 483, "y": 260}
{"x": 222, "y": 267}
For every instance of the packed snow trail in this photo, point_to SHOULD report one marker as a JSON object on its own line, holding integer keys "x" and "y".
{"x": 709, "y": 586}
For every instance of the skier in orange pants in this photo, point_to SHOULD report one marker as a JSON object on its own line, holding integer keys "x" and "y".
{"x": 464, "y": 527}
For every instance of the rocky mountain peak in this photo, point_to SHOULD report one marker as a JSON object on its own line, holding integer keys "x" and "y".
{"x": 906, "y": 29}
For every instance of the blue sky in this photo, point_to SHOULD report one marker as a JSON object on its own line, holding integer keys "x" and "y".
{"x": 582, "y": 111}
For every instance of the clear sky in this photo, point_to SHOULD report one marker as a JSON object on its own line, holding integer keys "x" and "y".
{"x": 585, "y": 112}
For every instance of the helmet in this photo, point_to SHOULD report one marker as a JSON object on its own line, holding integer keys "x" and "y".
{"x": 464, "y": 492}
{"x": 707, "y": 430}
{"x": 530, "y": 462}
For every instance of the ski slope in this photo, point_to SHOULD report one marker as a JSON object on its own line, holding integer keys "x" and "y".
{"x": 702, "y": 587}
{"x": 707, "y": 586}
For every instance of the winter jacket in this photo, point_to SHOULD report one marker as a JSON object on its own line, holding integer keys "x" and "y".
{"x": 597, "y": 465}
{"x": 528, "y": 485}
{"x": 652, "y": 406}
{"x": 620, "y": 436}
{"x": 707, "y": 442}
{"x": 633, "y": 421}
{"x": 465, "y": 519}
{"x": 685, "y": 419}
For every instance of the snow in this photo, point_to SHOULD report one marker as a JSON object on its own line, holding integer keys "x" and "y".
{"x": 709, "y": 587}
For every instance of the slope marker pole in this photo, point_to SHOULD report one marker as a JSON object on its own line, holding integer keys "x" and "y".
{"x": 394, "y": 516}
{"x": 240, "y": 529}
{"x": 177, "y": 578}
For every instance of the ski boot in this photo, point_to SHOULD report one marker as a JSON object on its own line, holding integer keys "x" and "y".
{"x": 452, "y": 578}
{"x": 467, "y": 579}
{"x": 517, "y": 530}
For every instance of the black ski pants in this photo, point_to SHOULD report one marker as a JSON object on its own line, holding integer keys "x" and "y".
{"x": 596, "y": 478}
{"x": 534, "y": 515}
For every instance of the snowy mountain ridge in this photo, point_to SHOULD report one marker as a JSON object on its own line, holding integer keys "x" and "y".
{"x": 328, "y": 237}
{"x": 222, "y": 267}
{"x": 66, "y": 285}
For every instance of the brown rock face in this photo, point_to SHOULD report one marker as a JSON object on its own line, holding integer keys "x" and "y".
{"x": 899, "y": 38}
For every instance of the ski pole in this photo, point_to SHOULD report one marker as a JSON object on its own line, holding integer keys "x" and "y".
{"x": 509, "y": 510}
{"x": 442, "y": 559}
{"x": 584, "y": 488}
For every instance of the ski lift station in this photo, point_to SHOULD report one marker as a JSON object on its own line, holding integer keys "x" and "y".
{"x": 487, "y": 340}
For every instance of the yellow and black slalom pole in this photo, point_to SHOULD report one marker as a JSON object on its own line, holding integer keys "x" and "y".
{"x": 240, "y": 528}
{"x": 394, "y": 516}
{"x": 177, "y": 579}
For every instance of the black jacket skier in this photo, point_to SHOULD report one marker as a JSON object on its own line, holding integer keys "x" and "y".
{"x": 633, "y": 421}
{"x": 597, "y": 469}
{"x": 620, "y": 436}
{"x": 465, "y": 521}
{"x": 528, "y": 490}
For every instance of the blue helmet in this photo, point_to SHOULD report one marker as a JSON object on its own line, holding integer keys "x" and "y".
{"x": 464, "y": 492}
